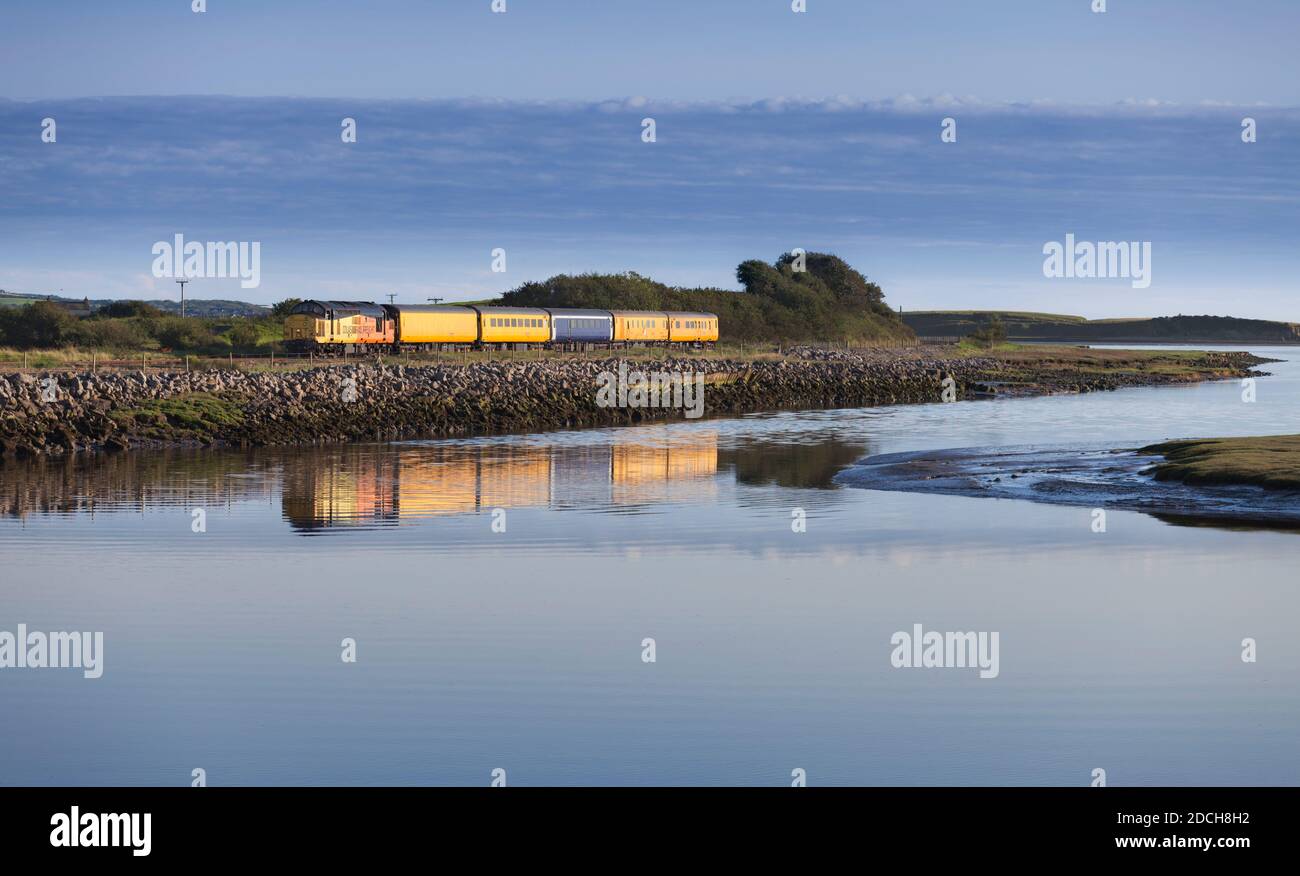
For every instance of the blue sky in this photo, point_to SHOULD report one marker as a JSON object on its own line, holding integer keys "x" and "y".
{"x": 775, "y": 130}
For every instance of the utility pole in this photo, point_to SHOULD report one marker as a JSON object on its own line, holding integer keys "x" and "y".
{"x": 182, "y": 283}
{"x": 391, "y": 297}
{"x": 434, "y": 300}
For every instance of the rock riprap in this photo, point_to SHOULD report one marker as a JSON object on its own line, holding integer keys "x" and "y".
{"x": 54, "y": 413}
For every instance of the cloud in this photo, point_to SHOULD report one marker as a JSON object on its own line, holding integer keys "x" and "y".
{"x": 432, "y": 186}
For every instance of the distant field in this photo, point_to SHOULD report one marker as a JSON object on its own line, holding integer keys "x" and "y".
{"x": 977, "y": 315}
{"x": 1022, "y": 325}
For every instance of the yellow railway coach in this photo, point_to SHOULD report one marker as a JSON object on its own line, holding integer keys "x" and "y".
{"x": 640, "y": 325}
{"x": 426, "y": 325}
{"x": 514, "y": 325}
{"x": 685, "y": 328}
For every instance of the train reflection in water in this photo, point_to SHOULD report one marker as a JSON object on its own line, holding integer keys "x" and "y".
{"x": 389, "y": 484}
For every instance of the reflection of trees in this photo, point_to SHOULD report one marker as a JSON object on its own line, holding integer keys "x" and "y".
{"x": 119, "y": 481}
{"x": 802, "y": 466}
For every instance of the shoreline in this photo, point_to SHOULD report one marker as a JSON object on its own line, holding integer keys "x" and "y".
{"x": 1232, "y": 493}
{"x": 335, "y": 404}
{"x": 1271, "y": 462}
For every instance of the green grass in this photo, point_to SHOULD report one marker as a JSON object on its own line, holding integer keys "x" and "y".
{"x": 65, "y": 357}
{"x": 1272, "y": 462}
{"x": 972, "y": 347}
{"x": 195, "y": 415}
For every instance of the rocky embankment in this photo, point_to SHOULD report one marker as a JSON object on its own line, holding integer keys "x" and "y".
{"x": 59, "y": 413}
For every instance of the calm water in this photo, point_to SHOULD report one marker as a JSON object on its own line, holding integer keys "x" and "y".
{"x": 522, "y": 649}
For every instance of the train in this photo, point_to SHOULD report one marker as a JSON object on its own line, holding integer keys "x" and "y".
{"x": 356, "y": 327}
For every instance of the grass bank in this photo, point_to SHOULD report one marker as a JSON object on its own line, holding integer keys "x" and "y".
{"x": 1272, "y": 461}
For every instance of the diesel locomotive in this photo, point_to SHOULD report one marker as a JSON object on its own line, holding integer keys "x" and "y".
{"x": 352, "y": 327}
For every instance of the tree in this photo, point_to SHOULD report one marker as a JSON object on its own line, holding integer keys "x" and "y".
{"x": 829, "y": 301}
{"x": 992, "y": 333}
{"x": 283, "y": 308}
{"x": 39, "y": 324}
{"x": 118, "y": 309}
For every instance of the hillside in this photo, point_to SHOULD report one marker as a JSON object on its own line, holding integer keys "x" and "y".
{"x": 829, "y": 301}
{"x": 200, "y": 307}
{"x": 1062, "y": 327}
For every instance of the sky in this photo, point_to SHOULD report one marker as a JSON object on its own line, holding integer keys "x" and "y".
{"x": 523, "y": 131}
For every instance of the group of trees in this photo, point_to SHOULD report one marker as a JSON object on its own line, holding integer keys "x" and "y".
{"x": 127, "y": 325}
{"x": 817, "y": 297}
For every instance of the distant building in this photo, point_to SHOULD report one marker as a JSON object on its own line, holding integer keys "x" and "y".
{"x": 76, "y": 308}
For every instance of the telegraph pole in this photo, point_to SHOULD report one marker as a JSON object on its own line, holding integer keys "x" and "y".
{"x": 434, "y": 300}
{"x": 392, "y": 297}
{"x": 182, "y": 285}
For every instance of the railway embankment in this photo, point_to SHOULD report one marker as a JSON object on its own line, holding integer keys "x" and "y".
{"x": 57, "y": 413}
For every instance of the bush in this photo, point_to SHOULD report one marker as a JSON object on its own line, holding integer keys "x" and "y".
{"x": 244, "y": 334}
{"x": 113, "y": 334}
{"x": 177, "y": 333}
{"x": 41, "y": 324}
